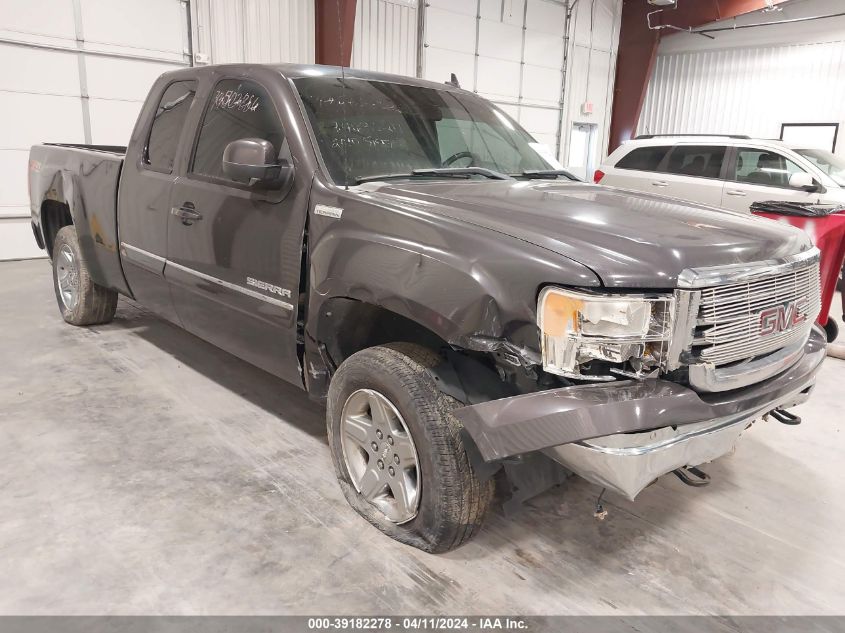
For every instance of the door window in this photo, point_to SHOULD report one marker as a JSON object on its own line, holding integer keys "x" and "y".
{"x": 237, "y": 109}
{"x": 644, "y": 158}
{"x": 702, "y": 161}
{"x": 762, "y": 167}
{"x": 160, "y": 151}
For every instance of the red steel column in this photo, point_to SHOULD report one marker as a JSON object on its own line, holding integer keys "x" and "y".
{"x": 638, "y": 49}
{"x": 634, "y": 63}
{"x": 335, "y": 27}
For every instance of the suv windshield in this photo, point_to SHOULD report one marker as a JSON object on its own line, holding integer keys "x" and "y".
{"x": 829, "y": 163}
{"x": 372, "y": 128}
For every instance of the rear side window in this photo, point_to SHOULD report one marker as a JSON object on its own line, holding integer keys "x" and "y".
{"x": 643, "y": 158}
{"x": 238, "y": 109}
{"x": 703, "y": 161}
{"x": 762, "y": 167}
{"x": 169, "y": 119}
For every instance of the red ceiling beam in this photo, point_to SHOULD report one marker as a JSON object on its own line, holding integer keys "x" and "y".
{"x": 638, "y": 49}
{"x": 334, "y": 29}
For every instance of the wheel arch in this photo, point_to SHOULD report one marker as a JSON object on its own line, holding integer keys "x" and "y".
{"x": 346, "y": 325}
{"x": 55, "y": 214}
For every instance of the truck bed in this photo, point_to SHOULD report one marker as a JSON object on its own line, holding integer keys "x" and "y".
{"x": 79, "y": 182}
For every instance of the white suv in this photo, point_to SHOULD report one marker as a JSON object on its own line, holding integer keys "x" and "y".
{"x": 729, "y": 172}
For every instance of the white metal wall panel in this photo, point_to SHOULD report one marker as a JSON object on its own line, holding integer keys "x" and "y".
{"x": 512, "y": 52}
{"x": 386, "y": 36}
{"x": 155, "y": 28}
{"x": 41, "y": 21}
{"x": 746, "y": 90}
{"x": 264, "y": 31}
{"x": 509, "y": 51}
{"x": 543, "y": 70}
{"x": 117, "y": 89}
{"x": 591, "y": 70}
{"x": 75, "y": 71}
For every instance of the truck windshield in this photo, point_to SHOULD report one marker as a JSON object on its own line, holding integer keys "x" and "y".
{"x": 369, "y": 128}
{"x": 831, "y": 164}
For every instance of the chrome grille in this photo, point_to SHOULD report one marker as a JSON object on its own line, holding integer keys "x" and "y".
{"x": 728, "y": 327}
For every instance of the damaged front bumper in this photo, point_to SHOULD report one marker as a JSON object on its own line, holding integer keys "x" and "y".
{"x": 626, "y": 434}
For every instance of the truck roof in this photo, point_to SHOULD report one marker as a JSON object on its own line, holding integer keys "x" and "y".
{"x": 298, "y": 71}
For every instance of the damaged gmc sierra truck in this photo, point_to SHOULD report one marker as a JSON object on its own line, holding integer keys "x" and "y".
{"x": 468, "y": 311}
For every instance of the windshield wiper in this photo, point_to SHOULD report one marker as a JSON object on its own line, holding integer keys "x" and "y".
{"x": 433, "y": 172}
{"x": 552, "y": 174}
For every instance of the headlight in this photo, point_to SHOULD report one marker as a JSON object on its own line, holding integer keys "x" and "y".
{"x": 578, "y": 327}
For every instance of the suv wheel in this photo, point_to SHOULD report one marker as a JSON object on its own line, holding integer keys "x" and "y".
{"x": 398, "y": 451}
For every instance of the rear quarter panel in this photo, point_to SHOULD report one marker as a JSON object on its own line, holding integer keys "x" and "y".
{"x": 86, "y": 181}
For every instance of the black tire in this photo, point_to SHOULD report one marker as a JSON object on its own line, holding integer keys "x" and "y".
{"x": 93, "y": 303}
{"x": 452, "y": 500}
{"x": 831, "y": 329}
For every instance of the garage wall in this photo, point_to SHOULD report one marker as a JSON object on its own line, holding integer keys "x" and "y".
{"x": 74, "y": 71}
{"x": 77, "y": 71}
{"x": 264, "y": 31}
{"x": 590, "y": 77}
{"x": 752, "y": 80}
{"x": 511, "y": 51}
{"x": 385, "y": 37}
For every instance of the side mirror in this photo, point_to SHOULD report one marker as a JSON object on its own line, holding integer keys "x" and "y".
{"x": 803, "y": 180}
{"x": 253, "y": 161}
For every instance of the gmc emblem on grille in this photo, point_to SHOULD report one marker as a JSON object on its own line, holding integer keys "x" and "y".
{"x": 783, "y": 317}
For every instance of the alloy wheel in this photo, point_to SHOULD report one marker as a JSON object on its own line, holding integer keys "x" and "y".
{"x": 380, "y": 455}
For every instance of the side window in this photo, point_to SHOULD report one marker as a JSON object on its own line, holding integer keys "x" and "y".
{"x": 704, "y": 161}
{"x": 238, "y": 109}
{"x": 170, "y": 116}
{"x": 762, "y": 167}
{"x": 643, "y": 158}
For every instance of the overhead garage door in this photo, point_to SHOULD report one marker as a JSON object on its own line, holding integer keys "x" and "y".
{"x": 75, "y": 71}
{"x": 509, "y": 51}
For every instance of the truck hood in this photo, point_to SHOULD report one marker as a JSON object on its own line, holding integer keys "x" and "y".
{"x": 629, "y": 239}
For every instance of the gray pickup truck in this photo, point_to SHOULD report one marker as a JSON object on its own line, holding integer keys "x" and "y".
{"x": 470, "y": 313}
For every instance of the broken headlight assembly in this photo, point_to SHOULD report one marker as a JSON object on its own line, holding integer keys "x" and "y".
{"x": 629, "y": 334}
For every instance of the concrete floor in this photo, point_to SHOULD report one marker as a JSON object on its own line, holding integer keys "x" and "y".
{"x": 143, "y": 471}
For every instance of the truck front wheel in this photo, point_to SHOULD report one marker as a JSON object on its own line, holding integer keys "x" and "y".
{"x": 398, "y": 451}
{"x": 81, "y": 301}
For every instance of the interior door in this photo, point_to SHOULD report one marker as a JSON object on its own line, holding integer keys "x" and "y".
{"x": 692, "y": 172}
{"x": 234, "y": 251}
{"x": 582, "y": 150}
{"x": 760, "y": 174}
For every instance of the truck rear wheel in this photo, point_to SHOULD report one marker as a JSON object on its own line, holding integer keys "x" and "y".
{"x": 81, "y": 301}
{"x": 398, "y": 451}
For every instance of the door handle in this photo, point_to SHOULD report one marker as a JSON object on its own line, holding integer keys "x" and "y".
{"x": 187, "y": 213}
{"x": 735, "y": 192}
{"x": 660, "y": 183}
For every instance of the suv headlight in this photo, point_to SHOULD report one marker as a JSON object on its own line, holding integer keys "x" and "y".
{"x": 577, "y": 327}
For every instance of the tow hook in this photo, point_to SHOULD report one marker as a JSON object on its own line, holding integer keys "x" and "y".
{"x": 692, "y": 476}
{"x": 785, "y": 417}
